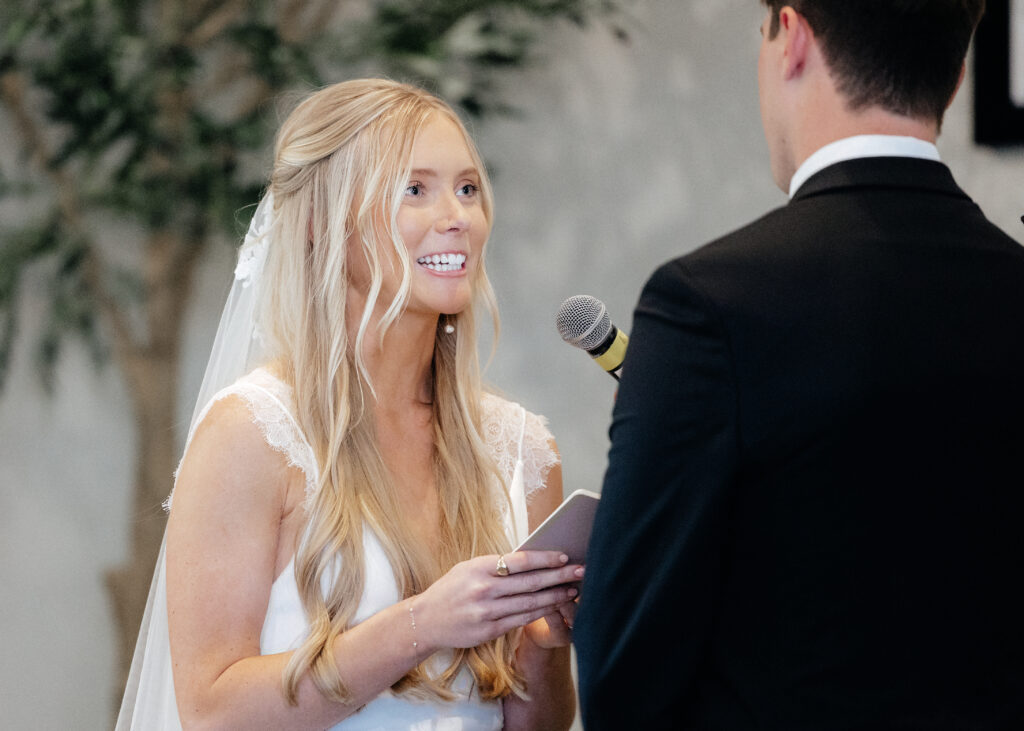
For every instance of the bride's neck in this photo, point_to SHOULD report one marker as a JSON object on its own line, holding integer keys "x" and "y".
{"x": 400, "y": 366}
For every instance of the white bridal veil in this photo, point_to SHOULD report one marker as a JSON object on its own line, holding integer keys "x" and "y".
{"x": 149, "y": 702}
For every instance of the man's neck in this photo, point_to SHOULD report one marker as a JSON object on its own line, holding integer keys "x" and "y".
{"x": 816, "y": 132}
{"x": 861, "y": 146}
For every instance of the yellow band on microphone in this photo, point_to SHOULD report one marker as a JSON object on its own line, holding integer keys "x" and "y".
{"x": 611, "y": 359}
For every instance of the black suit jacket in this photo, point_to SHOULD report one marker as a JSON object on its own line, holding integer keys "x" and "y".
{"x": 813, "y": 514}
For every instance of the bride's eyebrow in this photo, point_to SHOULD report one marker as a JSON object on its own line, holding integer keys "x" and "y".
{"x": 431, "y": 173}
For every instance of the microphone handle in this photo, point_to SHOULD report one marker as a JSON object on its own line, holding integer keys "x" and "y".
{"x": 611, "y": 352}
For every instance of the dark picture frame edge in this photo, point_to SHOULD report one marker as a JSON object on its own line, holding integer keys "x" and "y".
{"x": 997, "y": 120}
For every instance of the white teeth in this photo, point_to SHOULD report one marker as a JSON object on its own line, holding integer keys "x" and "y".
{"x": 443, "y": 262}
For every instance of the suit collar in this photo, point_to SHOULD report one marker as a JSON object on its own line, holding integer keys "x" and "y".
{"x": 857, "y": 146}
{"x": 881, "y": 172}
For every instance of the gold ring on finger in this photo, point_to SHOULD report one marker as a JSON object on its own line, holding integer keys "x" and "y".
{"x": 502, "y": 567}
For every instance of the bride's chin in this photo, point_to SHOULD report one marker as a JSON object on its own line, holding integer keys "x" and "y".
{"x": 436, "y": 310}
{"x": 450, "y": 304}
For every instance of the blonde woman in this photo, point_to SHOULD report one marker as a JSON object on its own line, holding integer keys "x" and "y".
{"x": 338, "y": 548}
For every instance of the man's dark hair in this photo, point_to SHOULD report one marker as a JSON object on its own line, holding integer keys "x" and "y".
{"x": 901, "y": 55}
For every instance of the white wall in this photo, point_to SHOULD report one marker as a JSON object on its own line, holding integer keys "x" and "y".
{"x": 624, "y": 157}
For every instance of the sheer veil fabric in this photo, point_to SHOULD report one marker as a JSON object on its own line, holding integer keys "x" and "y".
{"x": 149, "y": 701}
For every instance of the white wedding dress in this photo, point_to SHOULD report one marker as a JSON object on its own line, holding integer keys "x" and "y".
{"x": 518, "y": 442}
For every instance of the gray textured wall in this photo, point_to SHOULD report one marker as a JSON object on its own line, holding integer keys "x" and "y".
{"x": 624, "y": 157}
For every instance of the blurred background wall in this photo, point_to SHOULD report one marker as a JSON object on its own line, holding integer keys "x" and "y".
{"x": 622, "y": 156}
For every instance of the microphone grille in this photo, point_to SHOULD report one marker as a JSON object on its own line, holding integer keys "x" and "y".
{"x": 583, "y": 321}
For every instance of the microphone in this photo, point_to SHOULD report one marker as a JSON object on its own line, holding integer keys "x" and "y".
{"x": 583, "y": 322}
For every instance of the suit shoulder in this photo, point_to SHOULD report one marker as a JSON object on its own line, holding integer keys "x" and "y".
{"x": 748, "y": 240}
{"x": 743, "y": 247}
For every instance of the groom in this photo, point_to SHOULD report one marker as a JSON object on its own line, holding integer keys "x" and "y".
{"x": 813, "y": 514}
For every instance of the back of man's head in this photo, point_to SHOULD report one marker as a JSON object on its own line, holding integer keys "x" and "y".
{"x": 903, "y": 56}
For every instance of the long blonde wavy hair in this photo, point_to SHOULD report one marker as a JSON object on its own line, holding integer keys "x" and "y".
{"x": 342, "y": 162}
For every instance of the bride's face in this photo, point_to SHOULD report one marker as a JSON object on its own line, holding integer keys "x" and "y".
{"x": 441, "y": 221}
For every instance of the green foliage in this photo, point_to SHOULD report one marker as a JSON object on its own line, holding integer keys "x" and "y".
{"x": 156, "y": 115}
{"x": 457, "y": 47}
{"x": 70, "y": 307}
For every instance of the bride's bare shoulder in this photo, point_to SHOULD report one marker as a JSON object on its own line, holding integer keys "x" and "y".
{"x": 229, "y": 453}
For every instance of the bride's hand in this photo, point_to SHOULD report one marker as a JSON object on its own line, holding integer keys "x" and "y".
{"x": 472, "y": 604}
{"x": 554, "y": 629}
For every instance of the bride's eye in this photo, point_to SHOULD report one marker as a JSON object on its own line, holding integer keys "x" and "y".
{"x": 414, "y": 189}
{"x": 469, "y": 189}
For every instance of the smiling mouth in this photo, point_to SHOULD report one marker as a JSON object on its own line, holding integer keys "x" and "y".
{"x": 443, "y": 262}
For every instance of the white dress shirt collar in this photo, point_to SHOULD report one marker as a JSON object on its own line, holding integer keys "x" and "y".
{"x": 852, "y": 148}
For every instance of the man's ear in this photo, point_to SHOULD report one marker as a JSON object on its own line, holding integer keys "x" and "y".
{"x": 797, "y": 39}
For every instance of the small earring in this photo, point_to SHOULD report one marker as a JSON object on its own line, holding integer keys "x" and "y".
{"x": 449, "y": 328}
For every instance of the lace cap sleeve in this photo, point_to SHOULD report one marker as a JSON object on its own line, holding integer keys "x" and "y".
{"x": 270, "y": 402}
{"x": 509, "y": 428}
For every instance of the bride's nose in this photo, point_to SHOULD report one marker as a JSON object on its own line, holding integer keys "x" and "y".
{"x": 451, "y": 215}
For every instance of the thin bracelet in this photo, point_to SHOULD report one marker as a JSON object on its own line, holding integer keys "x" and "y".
{"x": 412, "y": 619}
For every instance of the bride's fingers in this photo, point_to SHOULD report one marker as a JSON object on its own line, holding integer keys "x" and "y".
{"x": 513, "y": 621}
{"x": 535, "y": 580}
{"x": 548, "y": 601}
{"x": 568, "y": 612}
{"x": 518, "y": 562}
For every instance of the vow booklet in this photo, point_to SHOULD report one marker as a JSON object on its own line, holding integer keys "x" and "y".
{"x": 567, "y": 529}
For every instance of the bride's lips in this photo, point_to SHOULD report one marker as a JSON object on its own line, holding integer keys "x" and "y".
{"x": 448, "y": 262}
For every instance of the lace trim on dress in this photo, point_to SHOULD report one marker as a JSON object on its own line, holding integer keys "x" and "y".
{"x": 270, "y": 403}
{"x": 502, "y": 424}
{"x": 270, "y": 400}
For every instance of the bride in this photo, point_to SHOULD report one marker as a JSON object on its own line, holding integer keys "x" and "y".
{"x": 338, "y": 547}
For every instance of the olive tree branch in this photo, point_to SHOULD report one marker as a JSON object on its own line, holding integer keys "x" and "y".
{"x": 12, "y": 93}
